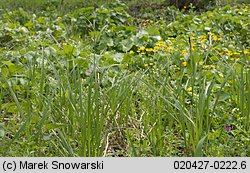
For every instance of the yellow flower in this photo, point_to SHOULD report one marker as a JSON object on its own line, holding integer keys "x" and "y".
{"x": 145, "y": 65}
{"x": 184, "y": 63}
{"x": 236, "y": 53}
{"x": 203, "y": 37}
{"x": 141, "y": 49}
{"x": 229, "y": 54}
{"x": 149, "y": 49}
{"x": 156, "y": 48}
{"x": 151, "y": 64}
{"x": 246, "y": 52}
{"x": 161, "y": 44}
{"x": 131, "y": 52}
{"x": 215, "y": 38}
{"x": 189, "y": 89}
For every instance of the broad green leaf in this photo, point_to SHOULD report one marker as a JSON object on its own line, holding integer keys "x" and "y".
{"x": 126, "y": 45}
{"x": 224, "y": 96}
{"x": 153, "y": 30}
{"x": 199, "y": 146}
{"x": 118, "y": 57}
{"x": 110, "y": 42}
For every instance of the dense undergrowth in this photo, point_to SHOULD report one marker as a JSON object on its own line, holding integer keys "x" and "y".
{"x": 98, "y": 82}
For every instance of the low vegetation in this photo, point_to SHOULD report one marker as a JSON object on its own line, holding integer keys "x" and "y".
{"x": 102, "y": 81}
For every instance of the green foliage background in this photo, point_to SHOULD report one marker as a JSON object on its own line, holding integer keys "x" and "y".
{"x": 84, "y": 80}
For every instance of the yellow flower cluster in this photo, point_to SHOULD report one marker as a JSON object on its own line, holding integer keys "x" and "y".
{"x": 246, "y": 8}
{"x": 233, "y": 59}
{"x": 203, "y": 38}
{"x": 246, "y": 52}
{"x": 159, "y": 46}
{"x": 141, "y": 49}
{"x": 232, "y": 53}
{"x": 150, "y": 50}
{"x": 214, "y": 36}
{"x": 228, "y": 52}
{"x": 147, "y": 22}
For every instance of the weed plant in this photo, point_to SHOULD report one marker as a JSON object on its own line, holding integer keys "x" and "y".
{"x": 90, "y": 83}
